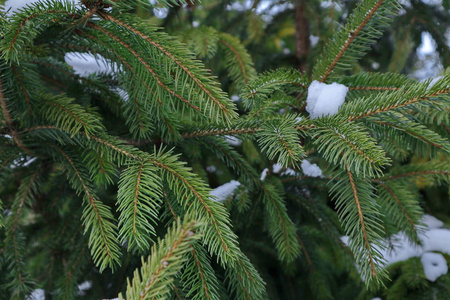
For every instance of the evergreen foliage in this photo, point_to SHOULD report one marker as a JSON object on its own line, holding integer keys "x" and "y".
{"x": 98, "y": 170}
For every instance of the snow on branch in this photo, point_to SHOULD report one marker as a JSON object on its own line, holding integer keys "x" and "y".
{"x": 325, "y": 99}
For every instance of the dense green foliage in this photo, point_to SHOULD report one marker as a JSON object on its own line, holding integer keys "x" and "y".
{"x": 107, "y": 176}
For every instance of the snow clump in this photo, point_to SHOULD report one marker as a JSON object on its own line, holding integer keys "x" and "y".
{"x": 309, "y": 169}
{"x": 15, "y": 5}
{"x": 276, "y": 168}
{"x": 433, "y": 238}
{"x": 264, "y": 174}
{"x": 289, "y": 172}
{"x": 38, "y": 294}
{"x": 221, "y": 193}
{"x": 86, "y": 63}
{"x": 434, "y": 265}
{"x": 325, "y": 99}
{"x": 233, "y": 141}
{"x": 431, "y": 222}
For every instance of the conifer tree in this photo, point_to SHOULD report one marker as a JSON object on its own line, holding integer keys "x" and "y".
{"x": 109, "y": 177}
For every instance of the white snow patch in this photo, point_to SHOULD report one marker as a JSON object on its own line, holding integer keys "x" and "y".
{"x": 276, "y": 168}
{"x": 233, "y": 141}
{"x": 325, "y": 99}
{"x": 403, "y": 249}
{"x": 121, "y": 92}
{"x": 83, "y": 287}
{"x": 15, "y": 5}
{"x": 437, "y": 239}
{"x": 405, "y": 3}
{"x": 428, "y": 64}
{"x": 432, "y": 2}
{"x": 434, "y": 265}
{"x": 309, "y": 169}
{"x": 264, "y": 174}
{"x": 313, "y": 40}
{"x": 330, "y": 4}
{"x": 161, "y": 12}
{"x": 344, "y": 239}
{"x": 433, "y": 81}
{"x": 235, "y": 98}
{"x": 267, "y": 11}
{"x": 224, "y": 191}
{"x": 29, "y": 161}
{"x": 38, "y": 294}
{"x": 289, "y": 172}
{"x": 22, "y": 162}
{"x": 86, "y": 63}
{"x": 433, "y": 238}
{"x": 298, "y": 120}
{"x": 431, "y": 222}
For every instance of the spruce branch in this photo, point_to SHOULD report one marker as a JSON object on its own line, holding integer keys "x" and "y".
{"x": 281, "y": 228}
{"x": 348, "y": 145}
{"x": 138, "y": 197}
{"x": 408, "y": 96}
{"x": 198, "y": 277}
{"x": 237, "y": 59}
{"x": 19, "y": 281}
{"x": 279, "y": 138}
{"x": 361, "y": 219}
{"x": 353, "y": 40}
{"x": 260, "y": 89}
{"x": 22, "y": 87}
{"x": 107, "y": 133}
{"x": 219, "y": 236}
{"x": 225, "y": 152}
{"x": 353, "y": 34}
{"x": 244, "y": 130}
{"x": 212, "y": 93}
{"x": 430, "y": 173}
{"x": 165, "y": 261}
{"x": 21, "y": 33}
{"x": 69, "y": 116}
{"x": 97, "y": 218}
{"x": 145, "y": 64}
{"x": 245, "y": 281}
{"x": 401, "y": 207}
{"x": 73, "y": 271}
{"x": 417, "y": 131}
{"x": 214, "y": 132}
{"x": 203, "y": 41}
{"x": 376, "y": 81}
{"x": 8, "y": 122}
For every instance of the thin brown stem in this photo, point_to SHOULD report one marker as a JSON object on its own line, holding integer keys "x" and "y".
{"x": 361, "y": 220}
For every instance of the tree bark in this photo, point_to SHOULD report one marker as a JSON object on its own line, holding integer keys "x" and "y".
{"x": 302, "y": 33}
